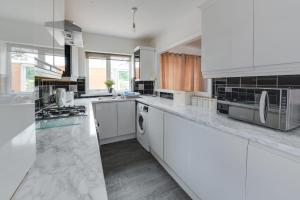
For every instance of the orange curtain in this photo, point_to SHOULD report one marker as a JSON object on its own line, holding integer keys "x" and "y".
{"x": 181, "y": 72}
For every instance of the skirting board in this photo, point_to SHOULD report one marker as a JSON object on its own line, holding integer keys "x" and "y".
{"x": 176, "y": 178}
{"x": 117, "y": 139}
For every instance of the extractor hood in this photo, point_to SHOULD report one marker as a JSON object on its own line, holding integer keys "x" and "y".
{"x": 65, "y": 32}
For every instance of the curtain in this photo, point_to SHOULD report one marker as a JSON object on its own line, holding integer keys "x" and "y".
{"x": 181, "y": 72}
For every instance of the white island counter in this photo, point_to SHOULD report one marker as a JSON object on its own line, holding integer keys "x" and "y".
{"x": 68, "y": 165}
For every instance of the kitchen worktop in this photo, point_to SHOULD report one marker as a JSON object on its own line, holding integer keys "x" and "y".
{"x": 288, "y": 142}
{"x": 111, "y": 99}
{"x": 68, "y": 164}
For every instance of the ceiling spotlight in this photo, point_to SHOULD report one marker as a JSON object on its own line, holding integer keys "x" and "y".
{"x": 133, "y": 10}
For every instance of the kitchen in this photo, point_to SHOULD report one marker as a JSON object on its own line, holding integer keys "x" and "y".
{"x": 122, "y": 100}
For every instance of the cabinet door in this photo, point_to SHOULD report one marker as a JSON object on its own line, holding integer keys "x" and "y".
{"x": 106, "y": 114}
{"x": 147, "y": 59}
{"x": 211, "y": 163}
{"x": 156, "y": 131}
{"x": 217, "y": 164}
{"x": 227, "y": 40}
{"x": 176, "y": 144}
{"x": 276, "y": 33}
{"x": 126, "y": 117}
{"x": 272, "y": 175}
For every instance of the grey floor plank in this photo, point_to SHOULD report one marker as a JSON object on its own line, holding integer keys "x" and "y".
{"x": 131, "y": 173}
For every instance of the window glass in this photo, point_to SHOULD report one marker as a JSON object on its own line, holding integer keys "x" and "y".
{"x": 104, "y": 67}
{"x": 120, "y": 74}
{"x": 22, "y": 71}
{"x": 97, "y": 73}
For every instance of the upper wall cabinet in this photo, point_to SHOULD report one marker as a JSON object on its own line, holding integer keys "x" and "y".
{"x": 250, "y": 37}
{"x": 227, "y": 36}
{"x": 276, "y": 33}
{"x": 144, "y": 61}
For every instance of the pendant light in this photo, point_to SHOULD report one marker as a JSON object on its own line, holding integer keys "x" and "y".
{"x": 133, "y": 10}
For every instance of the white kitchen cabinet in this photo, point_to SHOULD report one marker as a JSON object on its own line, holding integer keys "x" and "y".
{"x": 126, "y": 117}
{"x": 176, "y": 144}
{"x": 106, "y": 114}
{"x": 217, "y": 164}
{"x": 227, "y": 40}
{"x": 156, "y": 131}
{"x": 144, "y": 63}
{"x": 276, "y": 33}
{"x": 211, "y": 163}
{"x": 272, "y": 175}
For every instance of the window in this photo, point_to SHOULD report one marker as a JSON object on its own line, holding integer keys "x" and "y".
{"x": 22, "y": 69}
{"x": 104, "y": 67}
{"x": 22, "y": 62}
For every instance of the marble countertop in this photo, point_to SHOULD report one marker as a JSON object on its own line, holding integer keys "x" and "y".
{"x": 288, "y": 142}
{"x": 112, "y": 99}
{"x": 68, "y": 165}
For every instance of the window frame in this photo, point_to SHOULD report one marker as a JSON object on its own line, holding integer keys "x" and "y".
{"x": 107, "y": 56}
{"x": 41, "y": 54}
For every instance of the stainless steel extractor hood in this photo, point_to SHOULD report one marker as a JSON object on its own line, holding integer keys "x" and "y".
{"x": 65, "y": 32}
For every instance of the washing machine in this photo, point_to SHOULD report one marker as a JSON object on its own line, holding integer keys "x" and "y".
{"x": 142, "y": 123}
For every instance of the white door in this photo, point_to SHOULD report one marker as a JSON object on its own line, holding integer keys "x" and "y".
{"x": 272, "y": 175}
{"x": 227, "y": 40}
{"x": 276, "y": 32}
{"x": 106, "y": 114}
{"x": 155, "y": 131}
{"x": 126, "y": 117}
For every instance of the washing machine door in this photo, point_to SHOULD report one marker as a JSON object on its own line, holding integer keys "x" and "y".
{"x": 141, "y": 123}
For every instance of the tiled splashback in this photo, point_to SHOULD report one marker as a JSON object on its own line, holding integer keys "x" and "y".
{"x": 144, "y": 87}
{"x": 45, "y": 91}
{"x": 285, "y": 81}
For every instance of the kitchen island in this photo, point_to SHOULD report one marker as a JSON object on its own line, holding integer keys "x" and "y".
{"x": 68, "y": 164}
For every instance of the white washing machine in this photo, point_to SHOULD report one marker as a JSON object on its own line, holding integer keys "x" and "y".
{"x": 142, "y": 123}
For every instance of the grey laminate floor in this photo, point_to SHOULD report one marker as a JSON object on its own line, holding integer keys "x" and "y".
{"x": 131, "y": 173}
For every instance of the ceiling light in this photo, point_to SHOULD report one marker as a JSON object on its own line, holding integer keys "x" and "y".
{"x": 133, "y": 10}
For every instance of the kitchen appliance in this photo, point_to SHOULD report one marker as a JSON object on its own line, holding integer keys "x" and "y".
{"x": 142, "y": 133}
{"x": 61, "y": 96}
{"x": 60, "y": 112}
{"x": 277, "y": 108}
{"x": 70, "y": 98}
{"x": 65, "y": 32}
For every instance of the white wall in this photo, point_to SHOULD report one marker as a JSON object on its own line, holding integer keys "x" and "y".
{"x": 32, "y": 34}
{"x": 186, "y": 50}
{"x": 181, "y": 32}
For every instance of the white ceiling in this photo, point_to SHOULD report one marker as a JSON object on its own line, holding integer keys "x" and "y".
{"x": 114, "y": 17}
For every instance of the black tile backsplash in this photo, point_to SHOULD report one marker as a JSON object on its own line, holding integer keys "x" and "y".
{"x": 44, "y": 90}
{"x": 284, "y": 81}
{"x": 248, "y": 81}
{"x": 144, "y": 87}
{"x": 267, "y": 81}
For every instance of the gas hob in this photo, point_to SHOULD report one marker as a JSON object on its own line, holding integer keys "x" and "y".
{"x": 60, "y": 112}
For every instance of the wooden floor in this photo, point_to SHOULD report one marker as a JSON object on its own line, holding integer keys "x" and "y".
{"x": 131, "y": 173}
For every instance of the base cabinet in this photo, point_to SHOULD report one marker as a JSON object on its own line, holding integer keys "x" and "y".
{"x": 126, "y": 117}
{"x": 272, "y": 175}
{"x": 156, "y": 132}
{"x": 211, "y": 163}
{"x": 106, "y": 114}
{"x": 115, "y": 118}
